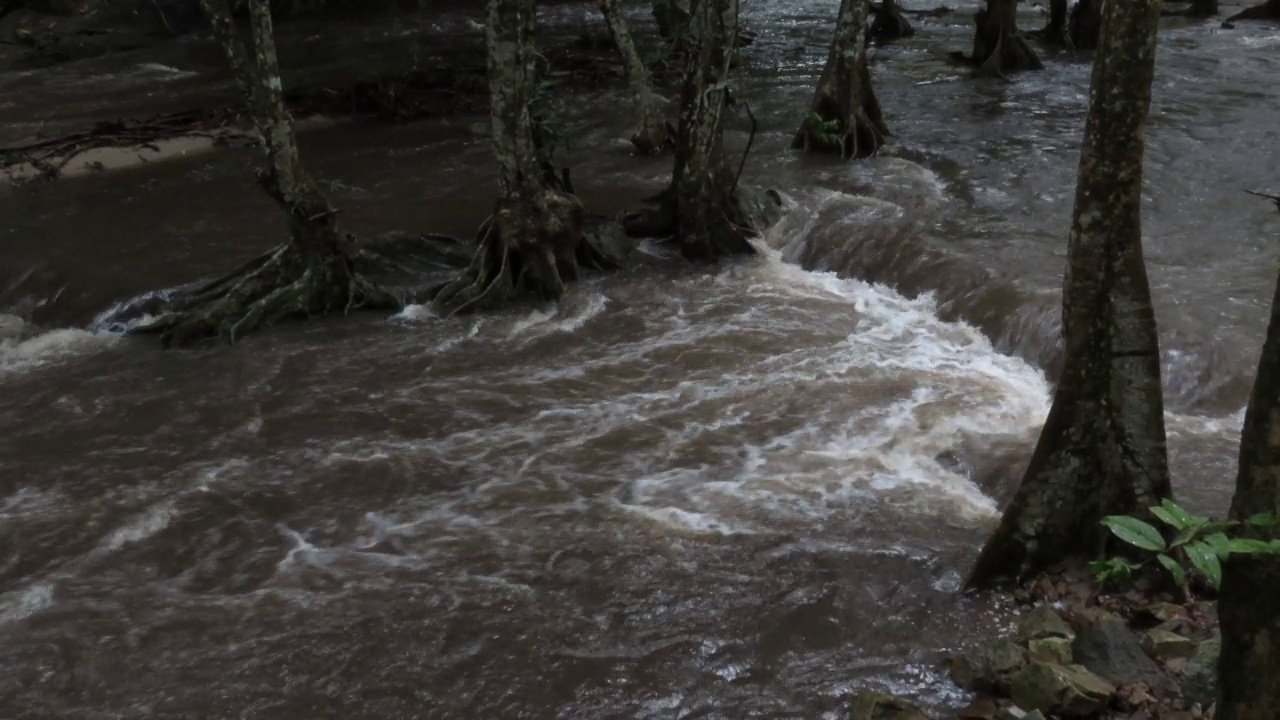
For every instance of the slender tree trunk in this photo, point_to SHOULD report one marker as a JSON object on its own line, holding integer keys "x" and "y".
{"x": 1249, "y": 607}
{"x": 709, "y": 222}
{"x": 1102, "y": 450}
{"x": 889, "y": 23}
{"x": 844, "y": 116}
{"x": 653, "y": 134}
{"x": 998, "y": 47}
{"x": 673, "y": 23}
{"x": 1055, "y": 33}
{"x": 1085, "y": 27}
{"x": 319, "y": 270}
{"x": 530, "y": 246}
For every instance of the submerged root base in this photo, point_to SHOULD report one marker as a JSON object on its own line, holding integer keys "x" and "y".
{"x": 863, "y": 140}
{"x": 281, "y": 285}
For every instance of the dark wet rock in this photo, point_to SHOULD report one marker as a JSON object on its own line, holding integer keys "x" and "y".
{"x": 1111, "y": 650}
{"x": 1013, "y": 712}
{"x": 1043, "y": 622}
{"x": 1158, "y": 613}
{"x": 869, "y": 705}
{"x": 1200, "y": 678}
{"x": 987, "y": 668}
{"x": 1068, "y": 690}
{"x": 1164, "y": 645}
{"x": 1050, "y": 650}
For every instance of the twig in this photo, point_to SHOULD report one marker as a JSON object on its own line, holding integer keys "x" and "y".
{"x": 747, "y": 150}
{"x": 1273, "y": 198}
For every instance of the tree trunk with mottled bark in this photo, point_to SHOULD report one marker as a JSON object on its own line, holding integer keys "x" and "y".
{"x": 1102, "y": 450}
{"x": 1249, "y": 607}
{"x": 533, "y": 243}
{"x": 1085, "y": 27}
{"x": 653, "y": 133}
{"x": 998, "y": 47}
{"x": 320, "y": 270}
{"x": 709, "y": 220}
{"x": 889, "y": 23}
{"x": 844, "y": 117}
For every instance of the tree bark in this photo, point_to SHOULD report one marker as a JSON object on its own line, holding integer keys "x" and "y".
{"x": 1102, "y": 450}
{"x": 998, "y": 47}
{"x": 889, "y": 23}
{"x": 1085, "y": 27}
{"x": 531, "y": 245}
{"x": 320, "y": 270}
{"x": 709, "y": 220}
{"x": 1249, "y": 607}
{"x": 653, "y": 133}
{"x": 1055, "y": 32}
{"x": 844, "y": 117}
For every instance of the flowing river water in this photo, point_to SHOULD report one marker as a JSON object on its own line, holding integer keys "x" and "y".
{"x": 739, "y": 493}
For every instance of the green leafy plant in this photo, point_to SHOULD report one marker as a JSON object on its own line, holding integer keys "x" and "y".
{"x": 827, "y": 132}
{"x": 1199, "y": 543}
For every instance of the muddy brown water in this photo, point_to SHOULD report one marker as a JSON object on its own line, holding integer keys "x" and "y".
{"x": 732, "y": 494}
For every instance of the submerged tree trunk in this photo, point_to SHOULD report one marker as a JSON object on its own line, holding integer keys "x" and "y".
{"x": 653, "y": 133}
{"x": 998, "y": 47}
{"x": 889, "y": 23}
{"x": 531, "y": 245}
{"x": 710, "y": 222}
{"x": 1249, "y": 607}
{"x": 1085, "y": 28}
{"x": 844, "y": 116}
{"x": 1102, "y": 449}
{"x": 319, "y": 270}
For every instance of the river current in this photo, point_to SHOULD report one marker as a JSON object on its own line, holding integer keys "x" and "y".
{"x": 732, "y": 493}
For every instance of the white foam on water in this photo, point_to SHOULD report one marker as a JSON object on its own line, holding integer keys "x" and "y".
{"x": 51, "y": 347}
{"x": 22, "y": 604}
{"x": 140, "y": 527}
{"x": 570, "y": 314}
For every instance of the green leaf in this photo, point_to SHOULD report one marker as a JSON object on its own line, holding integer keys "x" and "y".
{"x": 1179, "y": 575}
{"x": 1135, "y": 532}
{"x": 1248, "y": 546}
{"x": 1262, "y": 520}
{"x": 1177, "y": 517}
{"x": 1203, "y": 557}
{"x": 1221, "y": 545}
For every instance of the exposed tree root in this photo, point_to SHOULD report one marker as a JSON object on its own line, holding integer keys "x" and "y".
{"x": 852, "y": 139}
{"x": 998, "y": 47}
{"x": 889, "y": 23}
{"x": 529, "y": 249}
{"x": 281, "y": 284}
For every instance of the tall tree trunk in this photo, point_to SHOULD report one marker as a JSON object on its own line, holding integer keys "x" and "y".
{"x": 1055, "y": 33}
{"x": 844, "y": 116}
{"x": 998, "y": 47}
{"x": 889, "y": 23}
{"x": 709, "y": 221}
{"x": 530, "y": 246}
{"x": 1102, "y": 450}
{"x": 1249, "y": 607}
{"x": 1085, "y": 27}
{"x": 653, "y": 134}
{"x": 319, "y": 270}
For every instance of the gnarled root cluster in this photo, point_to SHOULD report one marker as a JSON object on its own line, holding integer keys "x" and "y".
{"x": 285, "y": 282}
{"x": 533, "y": 245}
{"x": 854, "y": 140}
